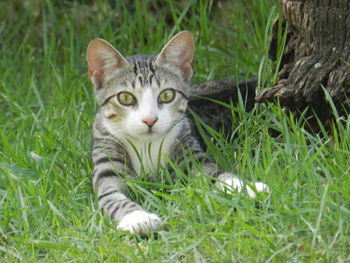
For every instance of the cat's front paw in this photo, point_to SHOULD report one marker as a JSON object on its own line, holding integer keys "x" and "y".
{"x": 139, "y": 222}
{"x": 230, "y": 182}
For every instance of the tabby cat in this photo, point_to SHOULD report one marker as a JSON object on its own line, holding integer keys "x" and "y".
{"x": 141, "y": 122}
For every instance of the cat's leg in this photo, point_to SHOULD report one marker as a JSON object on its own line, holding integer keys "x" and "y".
{"x": 226, "y": 181}
{"x": 109, "y": 164}
{"x": 229, "y": 182}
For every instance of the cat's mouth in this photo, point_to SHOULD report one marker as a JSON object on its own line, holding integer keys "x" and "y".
{"x": 152, "y": 133}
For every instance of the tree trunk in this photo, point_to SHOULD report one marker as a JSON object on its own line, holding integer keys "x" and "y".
{"x": 316, "y": 56}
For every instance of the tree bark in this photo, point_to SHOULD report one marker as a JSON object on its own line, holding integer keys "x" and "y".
{"x": 316, "y": 56}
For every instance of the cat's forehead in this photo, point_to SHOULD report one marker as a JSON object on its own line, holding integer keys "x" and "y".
{"x": 141, "y": 72}
{"x": 142, "y": 64}
{"x": 144, "y": 70}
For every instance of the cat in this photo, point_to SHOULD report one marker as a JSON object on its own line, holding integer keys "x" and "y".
{"x": 141, "y": 122}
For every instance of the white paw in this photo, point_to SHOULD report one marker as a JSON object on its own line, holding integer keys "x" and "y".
{"x": 230, "y": 182}
{"x": 139, "y": 222}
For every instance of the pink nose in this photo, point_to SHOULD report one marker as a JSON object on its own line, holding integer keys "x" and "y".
{"x": 150, "y": 121}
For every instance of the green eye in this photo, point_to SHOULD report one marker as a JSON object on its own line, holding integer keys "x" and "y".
{"x": 126, "y": 98}
{"x": 166, "y": 96}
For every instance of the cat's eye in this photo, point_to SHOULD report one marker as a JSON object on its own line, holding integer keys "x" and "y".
{"x": 126, "y": 98}
{"x": 166, "y": 96}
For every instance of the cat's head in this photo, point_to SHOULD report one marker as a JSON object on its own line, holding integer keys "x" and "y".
{"x": 142, "y": 96}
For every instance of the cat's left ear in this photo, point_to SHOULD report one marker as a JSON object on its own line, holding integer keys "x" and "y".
{"x": 179, "y": 52}
{"x": 101, "y": 57}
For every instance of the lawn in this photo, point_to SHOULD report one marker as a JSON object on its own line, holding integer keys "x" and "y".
{"x": 48, "y": 212}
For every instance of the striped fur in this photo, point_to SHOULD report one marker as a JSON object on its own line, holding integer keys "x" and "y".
{"x": 130, "y": 139}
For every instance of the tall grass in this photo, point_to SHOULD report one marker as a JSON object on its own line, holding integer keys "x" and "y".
{"x": 48, "y": 211}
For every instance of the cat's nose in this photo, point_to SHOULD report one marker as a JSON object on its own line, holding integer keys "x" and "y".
{"x": 150, "y": 121}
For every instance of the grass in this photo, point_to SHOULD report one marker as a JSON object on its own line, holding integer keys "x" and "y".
{"x": 48, "y": 211}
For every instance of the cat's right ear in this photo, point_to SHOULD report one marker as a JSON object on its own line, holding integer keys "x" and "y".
{"x": 179, "y": 52}
{"x": 102, "y": 56}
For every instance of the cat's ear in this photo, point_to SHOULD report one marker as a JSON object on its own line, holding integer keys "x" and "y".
{"x": 102, "y": 56}
{"x": 179, "y": 52}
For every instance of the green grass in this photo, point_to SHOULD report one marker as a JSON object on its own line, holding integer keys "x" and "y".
{"x": 48, "y": 212}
